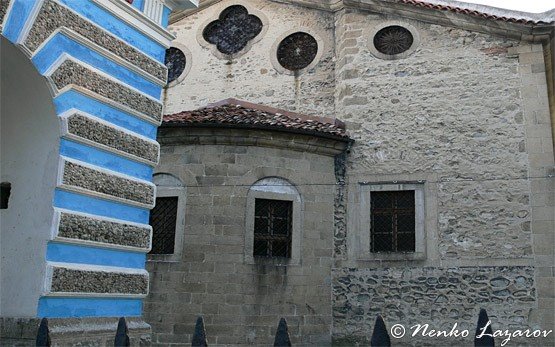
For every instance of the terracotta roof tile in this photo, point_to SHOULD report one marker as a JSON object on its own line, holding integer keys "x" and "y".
{"x": 471, "y": 12}
{"x": 240, "y": 114}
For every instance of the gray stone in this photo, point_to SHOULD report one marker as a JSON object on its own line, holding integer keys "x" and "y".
{"x": 87, "y": 128}
{"x": 89, "y": 229}
{"x": 81, "y": 281}
{"x": 100, "y": 182}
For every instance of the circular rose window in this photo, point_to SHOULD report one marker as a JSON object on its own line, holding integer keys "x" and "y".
{"x": 175, "y": 62}
{"x": 393, "y": 40}
{"x": 297, "y": 51}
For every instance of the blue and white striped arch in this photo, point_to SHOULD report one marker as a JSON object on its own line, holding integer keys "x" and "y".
{"x": 103, "y": 60}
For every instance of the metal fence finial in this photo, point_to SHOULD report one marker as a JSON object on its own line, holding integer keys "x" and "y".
{"x": 282, "y": 335}
{"x": 122, "y": 334}
{"x": 380, "y": 336}
{"x": 483, "y": 338}
{"x": 43, "y": 334}
{"x": 199, "y": 337}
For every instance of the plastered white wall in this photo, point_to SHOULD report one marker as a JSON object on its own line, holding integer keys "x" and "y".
{"x": 29, "y": 151}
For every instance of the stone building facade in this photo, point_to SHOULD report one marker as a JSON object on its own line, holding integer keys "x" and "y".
{"x": 462, "y": 116}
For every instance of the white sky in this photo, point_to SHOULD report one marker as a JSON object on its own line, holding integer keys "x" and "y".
{"x": 535, "y": 6}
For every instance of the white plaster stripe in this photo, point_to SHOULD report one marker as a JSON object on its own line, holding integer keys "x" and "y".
{"x": 64, "y": 118}
{"x": 56, "y": 225}
{"x": 60, "y": 184}
{"x": 100, "y": 50}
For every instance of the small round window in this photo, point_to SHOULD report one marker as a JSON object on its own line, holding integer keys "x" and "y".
{"x": 297, "y": 51}
{"x": 393, "y": 40}
{"x": 175, "y": 62}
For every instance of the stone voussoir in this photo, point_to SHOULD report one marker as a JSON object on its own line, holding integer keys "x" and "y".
{"x": 86, "y": 128}
{"x": 100, "y": 182}
{"x": 66, "y": 280}
{"x": 85, "y": 228}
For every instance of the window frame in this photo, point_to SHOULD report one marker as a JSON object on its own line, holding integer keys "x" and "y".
{"x": 366, "y": 190}
{"x": 272, "y": 236}
{"x": 286, "y": 192}
{"x": 179, "y": 192}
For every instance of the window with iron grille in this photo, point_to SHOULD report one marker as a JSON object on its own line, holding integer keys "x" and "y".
{"x": 272, "y": 228}
{"x": 392, "y": 226}
{"x": 163, "y": 219}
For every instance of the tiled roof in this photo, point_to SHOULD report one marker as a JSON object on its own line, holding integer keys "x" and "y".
{"x": 232, "y": 113}
{"x": 475, "y": 13}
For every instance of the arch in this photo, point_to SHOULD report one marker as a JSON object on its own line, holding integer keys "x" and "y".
{"x": 276, "y": 185}
{"x": 163, "y": 179}
{"x": 29, "y": 153}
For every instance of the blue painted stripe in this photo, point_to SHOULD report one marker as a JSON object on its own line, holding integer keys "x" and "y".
{"x": 116, "y": 26}
{"x": 60, "y": 43}
{"x": 69, "y": 253}
{"x": 17, "y": 18}
{"x": 138, "y": 4}
{"x": 100, "y": 207}
{"x": 73, "y": 99}
{"x": 54, "y": 307}
{"x": 105, "y": 159}
{"x": 166, "y": 17}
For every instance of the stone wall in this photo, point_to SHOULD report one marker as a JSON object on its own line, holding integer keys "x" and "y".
{"x": 465, "y": 113}
{"x": 242, "y": 300}
{"x": 411, "y": 296}
{"x": 454, "y": 112}
{"x": 252, "y": 76}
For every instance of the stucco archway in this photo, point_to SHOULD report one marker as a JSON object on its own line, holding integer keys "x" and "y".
{"x": 28, "y": 162}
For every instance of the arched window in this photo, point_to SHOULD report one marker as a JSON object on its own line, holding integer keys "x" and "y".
{"x": 273, "y": 224}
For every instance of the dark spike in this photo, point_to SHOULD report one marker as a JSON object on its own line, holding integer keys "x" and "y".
{"x": 487, "y": 338}
{"x": 199, "y": 337}
{"x": 43, "y": 335}
{"x": 380, "y": 337}
{"x": 282, "y": 335}
{"x": 122, "y": 334}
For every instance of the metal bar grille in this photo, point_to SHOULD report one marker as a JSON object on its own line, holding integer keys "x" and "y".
{"x": 163, "y": 218}
{"x": 272, "y": 228}
{"x": 392, "y": 221}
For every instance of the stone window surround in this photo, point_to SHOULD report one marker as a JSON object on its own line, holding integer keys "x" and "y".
{"x": 217, "y": 10}
{"x": 188, "y": 63}
{"x": 374, "y": 30}
{"x": 420, "y": 239}
{"x": 287, "y": 192}
{"x": 358, "y": 232}
{"x": 163, "y": 191}
{"x": 275, "y": 45}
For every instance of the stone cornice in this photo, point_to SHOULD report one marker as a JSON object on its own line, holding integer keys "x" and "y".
{"x": 518, "y": 31}
{"x": 206, "y": 135}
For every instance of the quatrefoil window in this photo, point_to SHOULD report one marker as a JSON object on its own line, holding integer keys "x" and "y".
{"x": 233, "y": 30}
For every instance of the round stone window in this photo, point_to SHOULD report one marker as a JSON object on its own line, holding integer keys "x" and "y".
{"x": 393, "y": 40}
{"x": 175, "y": 62}
{"x": 297, "y": 51}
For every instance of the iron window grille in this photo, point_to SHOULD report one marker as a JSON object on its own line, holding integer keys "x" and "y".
{"x": 163, "y": 218}
{"x": 392, "y": 226}
{"x": 272, "y": 228}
